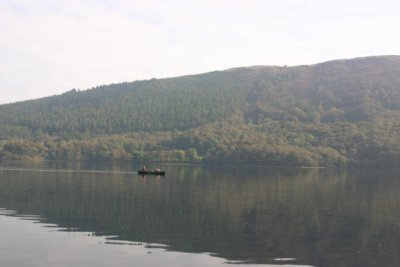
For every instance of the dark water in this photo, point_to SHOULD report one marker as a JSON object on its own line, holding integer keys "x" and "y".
{"x": 197, "y": 216}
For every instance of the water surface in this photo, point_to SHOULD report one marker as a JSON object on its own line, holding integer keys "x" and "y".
{"x": 197, "y": 216}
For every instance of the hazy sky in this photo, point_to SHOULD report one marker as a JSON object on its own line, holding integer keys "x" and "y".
{"x": 50, "y": 46}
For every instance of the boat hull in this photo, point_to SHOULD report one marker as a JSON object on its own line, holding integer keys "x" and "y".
{"x": 151, "y": 173}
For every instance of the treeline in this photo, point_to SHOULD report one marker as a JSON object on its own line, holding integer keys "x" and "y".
{"x": 331, "y": 114}
{"x": 231, "y": 142}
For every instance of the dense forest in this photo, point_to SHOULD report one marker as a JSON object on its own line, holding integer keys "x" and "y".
{"x": 337, "y": 113}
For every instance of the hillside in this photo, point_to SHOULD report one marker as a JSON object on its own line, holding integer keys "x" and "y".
{"x": 342, "y": 112}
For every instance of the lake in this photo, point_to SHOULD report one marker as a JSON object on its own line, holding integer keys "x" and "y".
{"x": 106, "y": 215}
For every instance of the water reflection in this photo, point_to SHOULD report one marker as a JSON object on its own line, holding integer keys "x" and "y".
{"x": 252, "y": 215}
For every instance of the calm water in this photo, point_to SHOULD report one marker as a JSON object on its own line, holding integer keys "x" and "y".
{"x": 196, "y": 216}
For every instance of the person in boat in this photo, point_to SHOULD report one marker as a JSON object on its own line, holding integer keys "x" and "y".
{"x": 157, "y": 169}
{"x": 144, "y": 168}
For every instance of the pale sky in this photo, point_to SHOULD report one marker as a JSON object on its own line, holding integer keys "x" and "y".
{"x": 51, "y": 46}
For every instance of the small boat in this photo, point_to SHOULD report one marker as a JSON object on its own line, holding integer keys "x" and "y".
{"x": 140, "y": 172}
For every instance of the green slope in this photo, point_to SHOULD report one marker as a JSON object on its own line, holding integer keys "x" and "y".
{"x": 333, "y": 113}
{"x": 154, "y": 105}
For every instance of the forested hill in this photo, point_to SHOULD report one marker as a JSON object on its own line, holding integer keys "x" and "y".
{"x": 154, "y": 105}
{"x": 337, "y": 112}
